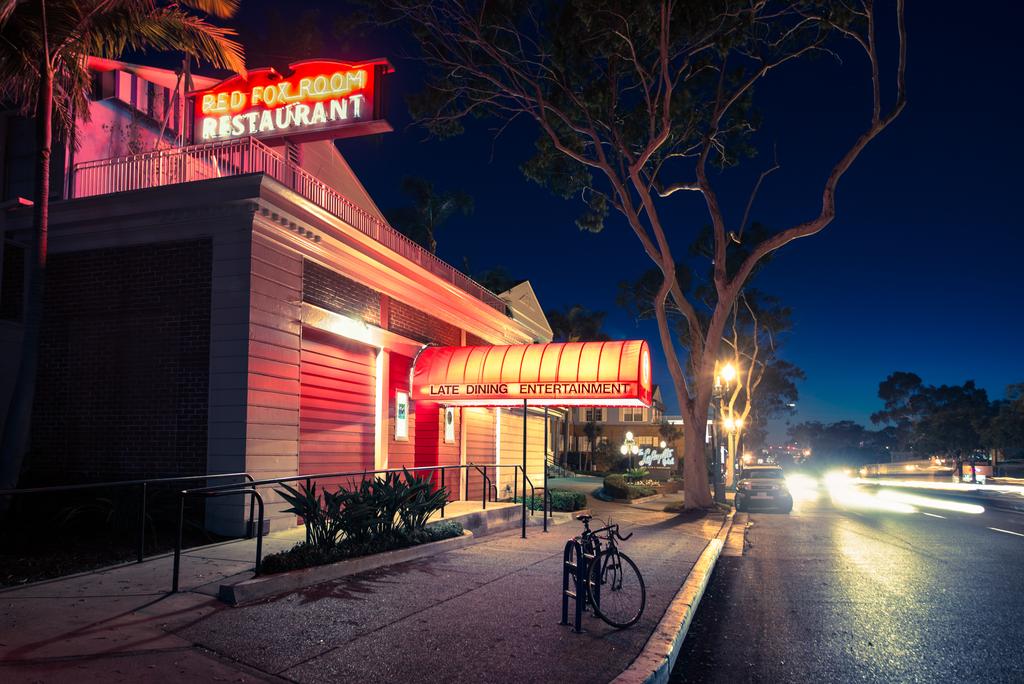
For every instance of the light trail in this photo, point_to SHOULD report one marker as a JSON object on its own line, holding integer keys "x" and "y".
{"x": 930, "y": 502}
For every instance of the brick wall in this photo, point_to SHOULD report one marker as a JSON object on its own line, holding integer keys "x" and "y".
{"x": 334, "y": 292}
{"x": 124, "y": 364}
{"x": 421, "y": 326}
{"x": 474, "y": 341}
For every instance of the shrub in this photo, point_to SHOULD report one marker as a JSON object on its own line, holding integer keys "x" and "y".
{"x": 445, "y": 529}
{"x": 377, "y": 515}
{"x": 564, "y": 500}
{"x": 637, "y": 474}
{"x": 304, "y": 555}
{"x": 615, "y": 486}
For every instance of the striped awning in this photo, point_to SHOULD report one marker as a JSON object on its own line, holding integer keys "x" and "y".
{"x": 613, "y": 373}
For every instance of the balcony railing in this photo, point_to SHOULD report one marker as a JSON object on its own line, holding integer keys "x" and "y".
{"x": 237, "y": 157}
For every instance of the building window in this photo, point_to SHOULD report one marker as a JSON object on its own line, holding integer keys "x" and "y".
{"x": 594, "y": 415}
{"x": 646, "y": 440}
{"x": 449, "y": 425}
{"x": 632, "y": 414}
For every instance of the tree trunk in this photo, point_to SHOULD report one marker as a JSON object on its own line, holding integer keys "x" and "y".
{"x": 696, "y": 492}
{"x": 17, "y": 425}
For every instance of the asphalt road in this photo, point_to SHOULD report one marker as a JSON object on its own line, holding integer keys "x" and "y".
{"x": 832, "y": 595}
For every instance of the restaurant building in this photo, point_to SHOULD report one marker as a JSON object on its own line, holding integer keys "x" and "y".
{"x": 223, "y": 295}
{"x": 640, "y": 432}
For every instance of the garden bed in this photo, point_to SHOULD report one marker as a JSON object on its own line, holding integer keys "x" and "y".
{"x": 249, "y": 590}
{"x": 618, "y": 488}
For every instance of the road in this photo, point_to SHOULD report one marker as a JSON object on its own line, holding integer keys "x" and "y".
{"x": 832, "y": 595}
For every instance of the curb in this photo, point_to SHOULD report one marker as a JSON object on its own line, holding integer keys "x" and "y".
{"x": 656, "y": 660}
{"x": 257, "y": 588}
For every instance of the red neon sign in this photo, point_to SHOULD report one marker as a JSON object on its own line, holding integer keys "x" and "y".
{"x": 317, "y": 99}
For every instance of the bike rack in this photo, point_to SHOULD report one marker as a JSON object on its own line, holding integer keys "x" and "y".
{"x": 576, "y": 563}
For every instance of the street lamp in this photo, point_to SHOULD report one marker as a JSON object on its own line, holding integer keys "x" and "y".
{"x": 724, "y": 378}
{"x": 629, "y": 448}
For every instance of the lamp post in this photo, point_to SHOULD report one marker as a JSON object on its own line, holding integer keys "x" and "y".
{"x": 723, "y": 379}
{"x": 629, "y": 448}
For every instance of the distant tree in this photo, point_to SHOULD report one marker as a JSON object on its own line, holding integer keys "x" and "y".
{"x": 635, "y": 102}
{"x": 496, "y": 279}
{"x": 904, "y": 403}
{"x": 669, "y": 432}
{"x": 576, "y": 324}
{"x": 843, "y": 443}
{"x": 1005, "y": 431}
{"x": 44, "y": 73}
{"x": 948, "y": 420}
{"x": 429, "y": 210}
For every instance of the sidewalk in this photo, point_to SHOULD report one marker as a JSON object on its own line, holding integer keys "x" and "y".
{"x": 487, "y": 612}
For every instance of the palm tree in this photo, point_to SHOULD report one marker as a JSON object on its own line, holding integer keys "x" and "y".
{"x": 45, "y": 46}
{"x": 576, "y": 324}
{"x": 420, "y": 221}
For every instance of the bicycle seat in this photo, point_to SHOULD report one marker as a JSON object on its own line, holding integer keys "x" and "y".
{"x": 584, "y": 518}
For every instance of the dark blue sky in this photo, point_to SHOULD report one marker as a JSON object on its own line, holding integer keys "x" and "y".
{"x": 919, "y": 272}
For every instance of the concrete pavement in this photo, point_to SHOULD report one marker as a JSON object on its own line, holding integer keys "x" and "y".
{"x": 488, "y": 612}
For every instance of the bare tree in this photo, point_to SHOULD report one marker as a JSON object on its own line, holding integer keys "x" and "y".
{"x": 635, "y": 102}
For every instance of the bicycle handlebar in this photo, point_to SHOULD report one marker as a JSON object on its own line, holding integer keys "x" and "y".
{"x": 613, "y": 531}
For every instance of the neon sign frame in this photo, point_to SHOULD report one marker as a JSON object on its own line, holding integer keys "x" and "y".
{"x": 316, "y": 100}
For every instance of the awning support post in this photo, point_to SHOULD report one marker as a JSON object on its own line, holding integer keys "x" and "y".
{"x": 546, "y": 500}
{"x": 524, "y": 469}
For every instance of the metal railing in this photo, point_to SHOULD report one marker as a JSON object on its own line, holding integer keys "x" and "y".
{"x": 247, "y": 155}
{"x": 250, "y": 487}
{"x": 143, "y": 486}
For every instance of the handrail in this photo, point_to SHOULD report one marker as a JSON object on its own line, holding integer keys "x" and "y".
{"x": 322, "y": 476}
{"x": 248, "y": 489}
{"x": 143, "y": 485}
{"x": 251, "y": 488}
{"x": 248, "y": 155}
{"x": 486, "y": 485}
{"x": 115, "y": 483}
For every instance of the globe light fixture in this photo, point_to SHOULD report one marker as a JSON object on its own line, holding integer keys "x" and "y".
{"x": 728, "y": 373}
{"x": 662, "y": 444}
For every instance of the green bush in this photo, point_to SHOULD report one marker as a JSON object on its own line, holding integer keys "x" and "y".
{"x": 304, "y": 555}
{"x": 445, "y": 529}
{"x": 616, "y": 487}
{"x": 637, "y": 474}
{"x": 564, "y": 500}
{"x": 380, "y": 514}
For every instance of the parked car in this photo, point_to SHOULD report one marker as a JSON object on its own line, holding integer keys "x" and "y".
{"x": 763, "y": 487}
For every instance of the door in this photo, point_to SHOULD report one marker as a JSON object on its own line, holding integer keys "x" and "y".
{"x": 337, "y": 411}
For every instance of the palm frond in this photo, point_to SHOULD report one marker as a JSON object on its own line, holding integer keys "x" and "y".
{"x": 166, "y": 29}
{"x": 222, "y": 9}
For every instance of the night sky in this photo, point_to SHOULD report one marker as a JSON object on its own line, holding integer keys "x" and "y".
{"x": 919, "y": 272}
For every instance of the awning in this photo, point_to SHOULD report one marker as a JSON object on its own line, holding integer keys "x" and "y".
{"x": 616, "y": 373}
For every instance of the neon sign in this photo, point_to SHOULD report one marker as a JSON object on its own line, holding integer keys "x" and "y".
{"x": 319, "y": 99}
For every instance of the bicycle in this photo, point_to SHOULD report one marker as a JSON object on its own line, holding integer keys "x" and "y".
{"x": 615, "y": 587}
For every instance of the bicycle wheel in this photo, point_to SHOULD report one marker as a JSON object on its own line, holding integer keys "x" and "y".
{"x": 617, "y": 589}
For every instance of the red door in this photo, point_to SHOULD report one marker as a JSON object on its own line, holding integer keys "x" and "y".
{"x": 337, "y": 412}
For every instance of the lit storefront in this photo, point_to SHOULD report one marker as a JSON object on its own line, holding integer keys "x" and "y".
{"x": 213, "y": 306}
